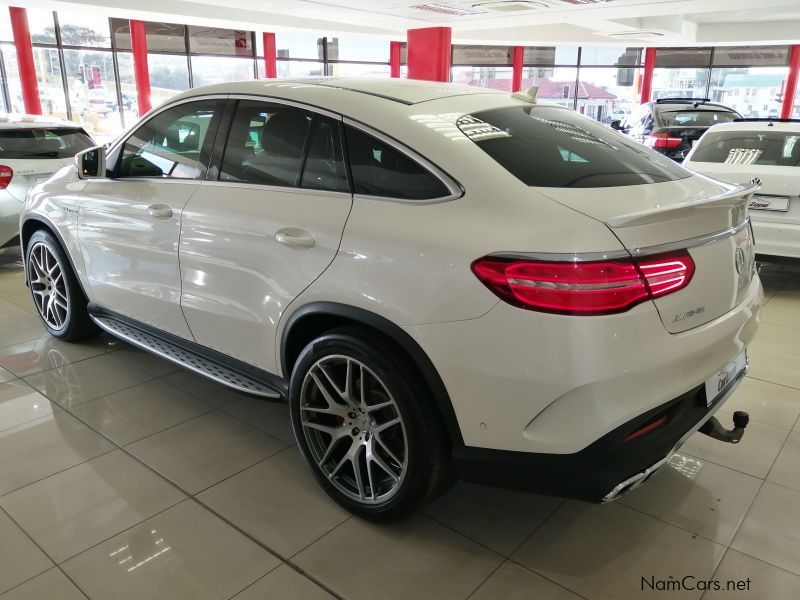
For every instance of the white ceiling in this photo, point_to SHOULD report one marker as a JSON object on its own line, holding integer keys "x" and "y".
{"x": 525, "y": 22}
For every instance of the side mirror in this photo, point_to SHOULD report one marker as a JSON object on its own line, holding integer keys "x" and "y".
{"x": 91, "y": 163}
{"x": 616, "y": 124}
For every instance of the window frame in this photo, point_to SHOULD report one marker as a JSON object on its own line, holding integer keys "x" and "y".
{"x": 114, "y": 153}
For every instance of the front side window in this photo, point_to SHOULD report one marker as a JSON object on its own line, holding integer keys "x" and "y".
{"x": 266, "y": 144}
{"x": 554, "y": 147}
{"x": 778, "y": 148}
{"x": 50, "y": 142}
{"x": 381, "y": 170}
{"x": 172, "y": 144}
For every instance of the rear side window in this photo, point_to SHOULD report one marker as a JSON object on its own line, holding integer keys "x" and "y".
{"x": 779, "y": 148}
{"x": 56, "y": 142}
{"x": 380, "y": 170}
{"x": 265, "y": 144}
{"x": 695, "y": 118}
{"x": 555, "y": 147}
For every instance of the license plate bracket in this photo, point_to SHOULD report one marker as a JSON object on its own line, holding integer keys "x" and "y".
{"x": 720, "y": 380}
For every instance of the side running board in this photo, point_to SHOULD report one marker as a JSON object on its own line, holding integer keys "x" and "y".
{"x": 186, "y": 358}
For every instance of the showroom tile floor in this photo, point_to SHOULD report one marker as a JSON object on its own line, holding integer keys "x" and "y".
{"x": 122, "y": 476}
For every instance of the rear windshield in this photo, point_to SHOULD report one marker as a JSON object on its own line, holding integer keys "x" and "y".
{"x": 556, "y": 147}
{"x": 695, "y": 118}
{"x": 59, "y": 142}
{"x": 781, "y": 148}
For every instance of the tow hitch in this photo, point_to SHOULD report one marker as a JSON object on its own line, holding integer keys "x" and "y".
{"x": 714, "y": 429}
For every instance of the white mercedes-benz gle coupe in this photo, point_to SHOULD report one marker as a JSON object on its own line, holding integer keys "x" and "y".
{"x": 440, "y": 280}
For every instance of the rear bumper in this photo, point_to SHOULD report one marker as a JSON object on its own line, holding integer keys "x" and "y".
{"x": 605, "y": 470}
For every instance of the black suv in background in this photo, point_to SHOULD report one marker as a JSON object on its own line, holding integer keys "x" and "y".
{"x": 671, "y": 125}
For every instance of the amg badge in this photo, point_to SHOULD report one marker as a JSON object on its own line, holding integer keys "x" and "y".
{"x": 689, "y": 313}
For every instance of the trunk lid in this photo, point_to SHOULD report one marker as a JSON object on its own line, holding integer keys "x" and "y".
{"x": 776, "y": 182}
{"x": 697, "y": 213}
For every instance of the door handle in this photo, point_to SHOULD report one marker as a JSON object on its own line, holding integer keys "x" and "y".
{"x": 160, "y": 211}
{"x": 295, "y": 238}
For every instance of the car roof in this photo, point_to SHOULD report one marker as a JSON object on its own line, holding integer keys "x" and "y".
{"x": 765, "y": 126}
{"x": 403, "y": 91}
{"x": 22, "y": 121}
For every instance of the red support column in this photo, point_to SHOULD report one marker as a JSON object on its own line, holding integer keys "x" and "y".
{"x": 519, "y": 60}
{"x": 429, "y": 53}
{"x": 270, "y": 56}
{"x": 791, "y": 83}
{"x": 27, "y": 69}
{"x": 647, "y": 75}
{"x": 140, "y": 68}
{"x": 394, "y": 58}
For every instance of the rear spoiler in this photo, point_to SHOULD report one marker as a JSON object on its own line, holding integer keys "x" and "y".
{"x": 732, "y": 198}
{"x": 765, "y": 120}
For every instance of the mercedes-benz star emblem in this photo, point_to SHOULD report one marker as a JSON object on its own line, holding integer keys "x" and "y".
{"x": 756, "y": 181}
{"x": 740, "y": 260}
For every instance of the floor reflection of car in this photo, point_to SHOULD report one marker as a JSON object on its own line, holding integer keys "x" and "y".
{"x": 31, "y": 149}
{"x": 671, "y": 125}
{"x": 385, "y": 255}
{"x": 767, "y": 152}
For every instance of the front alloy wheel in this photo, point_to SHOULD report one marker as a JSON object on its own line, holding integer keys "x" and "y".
{"x": 48, "y": 287}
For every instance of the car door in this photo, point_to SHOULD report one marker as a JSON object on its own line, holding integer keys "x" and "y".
{"x": 129, "y": 223}
{"x": 269, "y": 225}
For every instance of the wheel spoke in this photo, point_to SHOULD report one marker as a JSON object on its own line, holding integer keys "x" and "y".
{"x": 332, "y": 431}
{"x": 384, "y": 467}
{"x": 385, "y": 426}
{"x": 329, "y": 399}
{"x": 381, "y": 405}
{"x": 357, "y": 471}
{"x": 386, "y": 449}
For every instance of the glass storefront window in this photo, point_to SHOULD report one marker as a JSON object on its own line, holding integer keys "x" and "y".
{"x": 298, "y": 45}
{"x": 12, "y": 79}
{"x": 551, "y": 55}
{"x": 161, "y": 37}
{"x": 169, "y": 75}
{"x": 84, "y": 29}
{"x": 218, "y": 69}
{"x": 214, "y": 40}
{"x": 42, "y": 26}
{"x": 607, "y": 94}
{"x": 359, "y": 70}
{"x": 752, "y": 92}
{"x": 93, "y": 90}
{"x": 496, "y": 78}
{"x": 358, "y": 48}
{"x": 556, "y": 84}
{"x": 683, "y": 57}
{"x": 297, "y": 68}
{"x": 607, "y": 56}
{"x": 679, "y": 83}
{"x": 482, "y": 55}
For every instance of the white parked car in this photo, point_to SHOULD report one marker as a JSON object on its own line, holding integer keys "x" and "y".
{"x": 765, "y": 152}
{"x": 430, "y": 274}
{"x": 31, "y": 149}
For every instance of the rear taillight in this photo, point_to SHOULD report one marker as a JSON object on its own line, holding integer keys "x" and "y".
{"x": 584, "y": 288}
{"x": 662, "y": 140}
{"x": 6, "y": 173}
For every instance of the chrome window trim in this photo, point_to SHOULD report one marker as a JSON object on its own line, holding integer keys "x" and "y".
{"x": 455, "y": 189}
{"x": 120, "y": 141}
{"x": 579, "y": 257}
{"x": 274, "y": 188}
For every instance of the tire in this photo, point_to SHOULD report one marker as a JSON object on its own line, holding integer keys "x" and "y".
{"x": 400, "y": 465}
{"x": 55, "y": 291}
